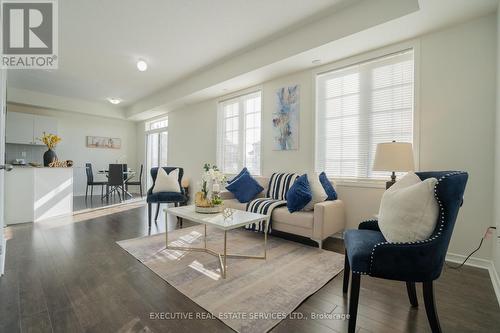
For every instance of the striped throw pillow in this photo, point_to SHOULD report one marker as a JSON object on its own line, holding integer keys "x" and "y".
{"x": 279, "y": 185}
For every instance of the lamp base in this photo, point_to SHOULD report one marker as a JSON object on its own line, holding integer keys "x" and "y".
{"x": 392, "y": 181}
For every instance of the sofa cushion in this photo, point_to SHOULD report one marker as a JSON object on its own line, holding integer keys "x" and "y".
{"x": 299, "y": 219}
{"x": 329, "y": 189}
{"x": 318, "y": 193}
{"x": 299, "y": 194}
{"x": 245, "y": 188}
{"x": 409, "y": 210}
{"x": 243, "y": 171}
{"x": 279, "y": 184}
{"x": 235, "y": 204}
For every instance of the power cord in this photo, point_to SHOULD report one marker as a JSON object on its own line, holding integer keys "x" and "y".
{"x": 477, "y": 249}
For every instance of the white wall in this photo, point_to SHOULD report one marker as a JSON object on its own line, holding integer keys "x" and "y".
{"x": 74, "y": 129}
{"x": 457, "y": 113}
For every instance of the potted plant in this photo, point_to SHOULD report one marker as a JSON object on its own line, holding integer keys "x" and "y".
{"x": 51, "y": 141}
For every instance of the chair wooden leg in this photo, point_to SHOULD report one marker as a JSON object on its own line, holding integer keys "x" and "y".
{"x": 430, "y": 307}
{"x": 353, "y": 302}
{"x": 157, "y": 211}
{"x": 347, "y": 271}
{"x": 149, "y": 215}
{"x": 412, "y": 293}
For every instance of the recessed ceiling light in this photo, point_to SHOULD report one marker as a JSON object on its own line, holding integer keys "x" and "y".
{"x": 142, "y": 65}
{"x": 114, "y": 100}
{"x": 316, "y": 61}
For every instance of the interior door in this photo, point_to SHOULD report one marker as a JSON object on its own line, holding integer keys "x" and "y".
{"x": 3, "y": 167}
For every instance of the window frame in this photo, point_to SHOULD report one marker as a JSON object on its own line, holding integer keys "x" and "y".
{"x": 355, "y": 60}
{"x": 241, "y": 127}
{"x": 158, "y": 131}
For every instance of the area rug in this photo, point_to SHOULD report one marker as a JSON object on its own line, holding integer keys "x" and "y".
{"x": 256, "y": 294}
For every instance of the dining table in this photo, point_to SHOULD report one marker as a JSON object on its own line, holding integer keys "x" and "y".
{"x": 127, "y": 175}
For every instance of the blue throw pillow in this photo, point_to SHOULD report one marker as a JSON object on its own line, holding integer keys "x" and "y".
{"x": 329, "y": 189}
{"x": 243, "y": 171}
{"x": 244, "y": 188}
{"x": 299, "y": 194}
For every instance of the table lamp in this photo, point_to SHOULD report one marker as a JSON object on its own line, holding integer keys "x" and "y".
{"x": 395, "y": 157}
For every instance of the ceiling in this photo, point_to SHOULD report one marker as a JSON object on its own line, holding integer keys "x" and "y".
{"x": 198, "y": 49}
{"x": 100, "y": 42}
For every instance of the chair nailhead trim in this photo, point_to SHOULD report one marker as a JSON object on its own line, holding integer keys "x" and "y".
{"x": 428, "y": 240}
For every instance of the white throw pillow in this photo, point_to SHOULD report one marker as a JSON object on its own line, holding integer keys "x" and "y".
{"x": 409, "y": 210}
{"x": 167, "y": 182}
{"x": 317, "y": 191}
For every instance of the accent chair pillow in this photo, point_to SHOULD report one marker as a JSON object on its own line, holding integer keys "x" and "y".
{"x": 317, "y": 192}
{"x": 243, "y": 171}
{"x": 245, "y": 188}
{"x": 329, "y": 189}
{"x": 298, "y": 195}
{"x": 167, "y": 182}
{"x": 409, "y": 211}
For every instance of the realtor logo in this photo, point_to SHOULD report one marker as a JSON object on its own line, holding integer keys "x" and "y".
{"x": 29, "y": 34}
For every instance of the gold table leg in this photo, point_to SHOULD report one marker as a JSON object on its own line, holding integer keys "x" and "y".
{"x": 222, "y": 256}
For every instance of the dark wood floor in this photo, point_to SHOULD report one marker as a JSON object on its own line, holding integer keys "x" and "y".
{"x": 80, "y": 203}
{"x": 74, "y": 278}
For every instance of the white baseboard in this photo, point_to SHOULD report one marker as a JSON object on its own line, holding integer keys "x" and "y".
{"x": 480, "y": 263}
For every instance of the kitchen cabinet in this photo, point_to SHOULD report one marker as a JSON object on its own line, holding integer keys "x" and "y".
{"x": 43, "y": 124}
{"x": 19, "y": 128}
{"x": 25, "y": 128}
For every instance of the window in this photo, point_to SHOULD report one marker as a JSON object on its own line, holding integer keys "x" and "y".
{"x": 156, "y": 145}
{"x": 239, "y": 134}
{"x": 358, "y": 107}
{"x": 156, "y": 124}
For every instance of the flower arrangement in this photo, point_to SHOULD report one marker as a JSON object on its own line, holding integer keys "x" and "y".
{"x": 212, "y": 180}
{"x": 50, "y": 140}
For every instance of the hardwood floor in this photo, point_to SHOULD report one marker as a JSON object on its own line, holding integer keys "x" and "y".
{"x": 79, "y": 202}
{"x": 74, "y": 278}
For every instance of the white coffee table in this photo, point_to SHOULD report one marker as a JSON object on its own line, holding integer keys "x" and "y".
{"x": 239, "y": 219}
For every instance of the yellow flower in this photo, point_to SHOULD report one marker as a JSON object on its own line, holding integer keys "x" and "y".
{"x": 50, "y": 140}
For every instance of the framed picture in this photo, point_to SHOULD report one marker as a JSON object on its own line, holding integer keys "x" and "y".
{"x": 104, "y": 142}
{"x": 286, "y": 119}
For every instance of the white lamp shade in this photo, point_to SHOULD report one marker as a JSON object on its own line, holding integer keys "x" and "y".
{"x": 394, "y": 156}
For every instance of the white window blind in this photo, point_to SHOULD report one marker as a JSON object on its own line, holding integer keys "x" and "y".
{"x": 358, "y": 107}
{"x": 239, "y": 133}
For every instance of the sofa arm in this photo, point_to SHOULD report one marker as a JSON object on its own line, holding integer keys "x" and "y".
{"x": 226, "y": 195}
{"x": 329, "y": 218}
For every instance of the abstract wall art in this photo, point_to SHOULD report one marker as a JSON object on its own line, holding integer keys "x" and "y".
{"x": 103, "y": 142}
{"x": 286, "y": 119}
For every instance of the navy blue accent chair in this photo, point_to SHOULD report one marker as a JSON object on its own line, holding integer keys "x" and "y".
{"x": 164, "y": 197}
{"x": 368, "y": 253}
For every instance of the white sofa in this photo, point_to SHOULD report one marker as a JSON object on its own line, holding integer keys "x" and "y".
{"x": 326, "y": 219}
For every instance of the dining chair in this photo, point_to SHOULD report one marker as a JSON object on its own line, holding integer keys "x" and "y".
{"x": 115, "y": 181}
{"x": 137, "y": 182}
{"x": 369, "y": 253}
{"x": 91, "y": 183}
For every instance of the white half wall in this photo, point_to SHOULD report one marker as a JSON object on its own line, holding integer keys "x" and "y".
{"x": 496, "y": 206}
{"x": 74, "y": 128}
{"x": 457, "y": 114}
